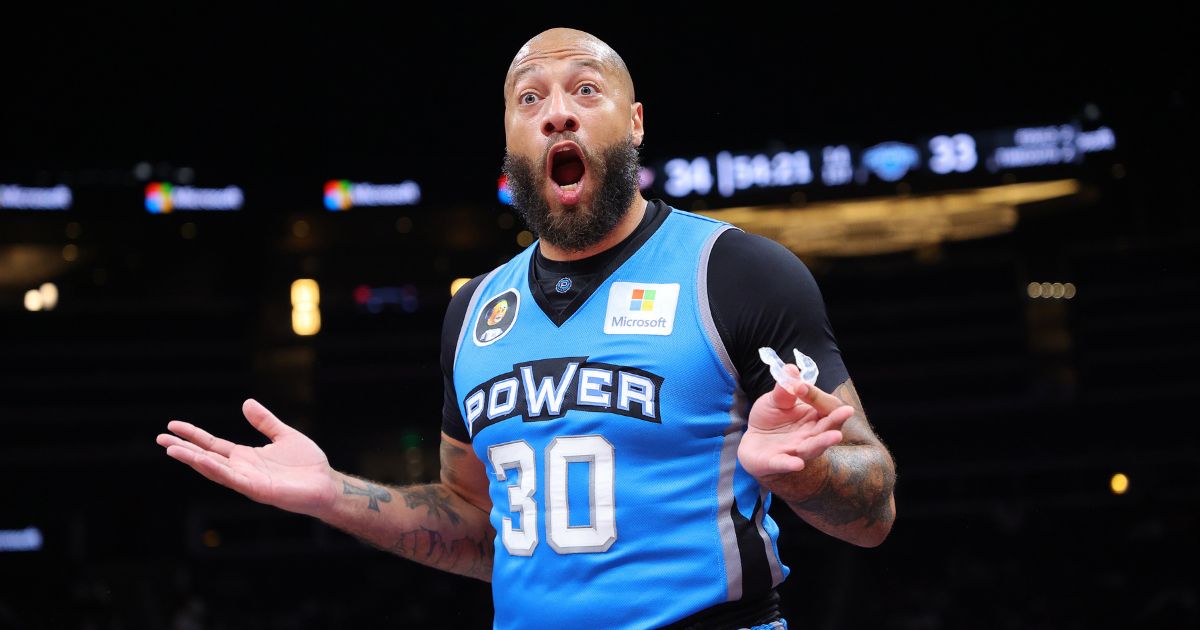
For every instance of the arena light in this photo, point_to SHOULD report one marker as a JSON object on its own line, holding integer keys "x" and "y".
{"x": 28, "y": 539}
{"x": 306, "y": 322}
{"x": 457, "y": 284}
{"x": 301, "y": 228}
{"x": 1051, "y": 290}
{"x": 891, "y": 224}
{"x": 33, "y": 300}
{"x": 306, "y": 312}
{"x": 49, "y": 293}
{"x": 43, "y": 298}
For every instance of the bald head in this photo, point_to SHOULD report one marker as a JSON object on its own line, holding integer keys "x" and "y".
{"x": 562, "y": 42}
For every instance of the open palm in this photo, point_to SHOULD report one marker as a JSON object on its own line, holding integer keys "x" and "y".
{"x": 291, "y": 472}
{"x": 789, "y": 425}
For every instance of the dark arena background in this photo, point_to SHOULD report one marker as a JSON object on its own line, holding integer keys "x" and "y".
{"x": 999, "y": 204}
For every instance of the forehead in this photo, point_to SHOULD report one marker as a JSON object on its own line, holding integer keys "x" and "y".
{"x": 533, "y": 59}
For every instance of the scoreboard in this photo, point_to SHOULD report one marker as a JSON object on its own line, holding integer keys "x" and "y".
{"x": 725, "y": 176}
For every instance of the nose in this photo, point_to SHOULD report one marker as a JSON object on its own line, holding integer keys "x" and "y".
{"x": 558, "y": 115}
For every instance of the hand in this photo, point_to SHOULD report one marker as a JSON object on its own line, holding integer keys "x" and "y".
{"x": 291, "y": 472}
{"x": 790, "y": 425}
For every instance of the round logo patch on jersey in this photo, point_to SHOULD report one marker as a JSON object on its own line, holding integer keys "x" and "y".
{"x": 563, "y": 285}
{"x": 497, "y": 318}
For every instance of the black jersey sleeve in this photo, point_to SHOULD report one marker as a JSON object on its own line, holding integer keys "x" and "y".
{"x": 452, "y": 421}
{"x": 761, "y": 294}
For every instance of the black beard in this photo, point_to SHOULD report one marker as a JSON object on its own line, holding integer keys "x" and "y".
{"x": 615, "y": 174}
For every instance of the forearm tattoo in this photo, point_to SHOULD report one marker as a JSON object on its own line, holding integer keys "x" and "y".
{"x": 858, "y": 487}
{"x": 435, "y": 500}
{"x": 465, "y": 555}
{"x": 861, "y": 475}
{"x": 442, "y": 544}
{"x": 440, "y": 528}
{"x": 373, "y": 492}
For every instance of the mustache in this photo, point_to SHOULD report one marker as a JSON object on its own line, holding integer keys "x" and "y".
{"x": 560, "y": 136}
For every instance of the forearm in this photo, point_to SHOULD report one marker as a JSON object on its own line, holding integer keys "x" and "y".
{"x": 428, "y": 523}
{"x": 846, "y": 492}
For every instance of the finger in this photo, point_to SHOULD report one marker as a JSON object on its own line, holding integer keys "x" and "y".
{"x": 209, "y": 467}
{"x": 814, "y": 445}
{"x": 784, "y": 394}
{"x": 167, "y": 440}
{"x": 781, "y": 463}
{"x": 811, "y": 394}
{"x": 263, "y": 420}
{"x": 827, "y": 439}
{"x": 835, "y": 420}
{"x": 200, "y": 437}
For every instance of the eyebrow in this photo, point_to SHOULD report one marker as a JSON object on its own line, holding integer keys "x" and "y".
{"x": 521, "y": 72}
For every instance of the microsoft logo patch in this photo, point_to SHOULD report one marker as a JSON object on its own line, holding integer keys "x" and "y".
{"x": 643, "y": 300}
{"x": 639, "y": 308}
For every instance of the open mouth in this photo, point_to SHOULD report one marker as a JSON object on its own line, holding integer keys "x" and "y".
{"x": 566, "y": 167}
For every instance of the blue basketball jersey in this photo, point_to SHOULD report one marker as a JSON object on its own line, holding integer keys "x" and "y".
{"x": 611, "y": 441}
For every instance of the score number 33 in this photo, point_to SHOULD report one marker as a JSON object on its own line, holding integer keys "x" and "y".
{"x": 596, "y": 537}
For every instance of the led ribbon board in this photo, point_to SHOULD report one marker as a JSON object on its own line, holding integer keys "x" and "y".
{"x": 343, "y": 194}
{"x": 728, "y": 175}
{"x": 14, "y": 197}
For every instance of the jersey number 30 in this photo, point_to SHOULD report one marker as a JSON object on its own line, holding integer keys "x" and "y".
{"x": 595, "y": 537}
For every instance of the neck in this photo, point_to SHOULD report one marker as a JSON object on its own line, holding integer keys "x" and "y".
{"x": 625, "y": 227}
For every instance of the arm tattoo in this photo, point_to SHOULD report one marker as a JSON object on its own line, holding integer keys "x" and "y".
{"x": 435, "y": 500}
{"x": 374, "y": 492}
{"x": 465, "y": 556}
{"x": 857, "y": 488}
{"x": 861, "y": 474}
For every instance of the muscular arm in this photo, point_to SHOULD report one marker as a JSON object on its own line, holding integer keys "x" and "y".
{"x": 762, "y": 295}
{"x": 845, "y": 492}
{"x": 443, "y": 525}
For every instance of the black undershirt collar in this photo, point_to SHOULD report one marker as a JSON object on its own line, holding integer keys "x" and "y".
{"x": 560, "y": 287}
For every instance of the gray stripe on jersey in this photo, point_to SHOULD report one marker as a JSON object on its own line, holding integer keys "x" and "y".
{"x": 772, "y": 559}
{"x": 466, "y": 325}
{"x": 725, "y": 507}
{"x": 733, "y": 433}
{"x": 462, "y": 332}
{"x": 706, "y": 316}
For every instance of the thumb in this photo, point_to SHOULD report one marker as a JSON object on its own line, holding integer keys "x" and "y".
{"x": 263, "y": 420}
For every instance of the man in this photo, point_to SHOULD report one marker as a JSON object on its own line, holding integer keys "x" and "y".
{"x": 602, "y": 463}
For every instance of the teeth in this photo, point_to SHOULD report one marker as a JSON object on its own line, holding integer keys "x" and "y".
{"x": 569, "y": 187}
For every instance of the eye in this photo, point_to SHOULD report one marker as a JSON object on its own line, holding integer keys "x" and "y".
{"x": 587, "y": 90}
{"x": 528, "y": 98}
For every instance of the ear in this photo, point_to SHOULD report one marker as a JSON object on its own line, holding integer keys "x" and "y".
{"x": 638, "y": 130}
